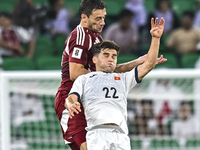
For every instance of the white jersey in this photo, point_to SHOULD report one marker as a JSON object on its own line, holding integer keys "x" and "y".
{"x": 104, "y": 97}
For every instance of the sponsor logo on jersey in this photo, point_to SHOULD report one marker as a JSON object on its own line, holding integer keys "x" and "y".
{"x": 117, "y": 78}
{"x": 92, "y": 75}
{"x": 97, "y": 41}
{"x": 77, "y": 52}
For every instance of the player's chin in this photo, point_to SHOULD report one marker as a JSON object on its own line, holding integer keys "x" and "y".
{"x": 109, "y": 70}
{"x": 99, "y": 30}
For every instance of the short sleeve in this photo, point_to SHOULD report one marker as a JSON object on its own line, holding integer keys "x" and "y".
{"x": 23, "y": 34}
{"x": 131, "y": 78}
{"x": 77, "y": 87}
{"x": 77, "y": 53}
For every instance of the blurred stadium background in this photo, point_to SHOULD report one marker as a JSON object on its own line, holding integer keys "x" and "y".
{"x": 28, "y": 88}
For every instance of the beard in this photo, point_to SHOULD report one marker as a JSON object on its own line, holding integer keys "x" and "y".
{"x": 90, "y": 26}
{"x": 92, "y": 29}
{"x": 107, "y": 69}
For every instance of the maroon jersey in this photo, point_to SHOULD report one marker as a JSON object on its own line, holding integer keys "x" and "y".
{"x": 78, "y": 49}
{"x": 10, "y": 36}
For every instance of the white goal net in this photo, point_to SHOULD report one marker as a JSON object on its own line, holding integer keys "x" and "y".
{"x": 163, "y": 111}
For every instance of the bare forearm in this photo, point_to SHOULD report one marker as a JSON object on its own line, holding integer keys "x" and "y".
{"x": 150, "y": 60}
{"x": 129, "y": 65}
{"x": 153, "y": 52}
{"x": 31, "y": 49}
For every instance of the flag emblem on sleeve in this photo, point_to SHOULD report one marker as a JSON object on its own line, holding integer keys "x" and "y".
{"x": 117, "y": 78}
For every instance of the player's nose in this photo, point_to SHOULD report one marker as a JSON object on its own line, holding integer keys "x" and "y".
{"x": 102, "y": 22}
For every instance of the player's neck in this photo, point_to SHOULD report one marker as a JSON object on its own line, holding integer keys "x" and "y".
{"x": 83, "y": 24}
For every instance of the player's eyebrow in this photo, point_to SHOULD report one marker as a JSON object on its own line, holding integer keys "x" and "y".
{"x": 105, "y": 53}
{"x": 99, "y": 18}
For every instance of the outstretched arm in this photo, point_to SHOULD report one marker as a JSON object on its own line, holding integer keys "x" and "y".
{"x": 129, "y": 65}
{"x": 132, "y": 64}
{"x": 150, "y": 61}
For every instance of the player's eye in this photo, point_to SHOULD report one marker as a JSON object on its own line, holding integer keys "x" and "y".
{"x": 114, "y": 57}
{"x": 98, "y": 19}
{"x": 106, "y": 54}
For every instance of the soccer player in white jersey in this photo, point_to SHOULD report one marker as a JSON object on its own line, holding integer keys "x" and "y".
{"x": 104, "y": 93}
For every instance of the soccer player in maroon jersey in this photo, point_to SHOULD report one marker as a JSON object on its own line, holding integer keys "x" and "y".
{"x": 77, "y": 60}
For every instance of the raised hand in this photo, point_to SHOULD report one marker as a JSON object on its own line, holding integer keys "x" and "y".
{"x": 159, "y": 60}
{"x": 157, "y": 28}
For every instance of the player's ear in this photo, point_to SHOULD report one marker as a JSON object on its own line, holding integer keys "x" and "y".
{"x": 94, "y": 59}
{"x": 84, "y": 17}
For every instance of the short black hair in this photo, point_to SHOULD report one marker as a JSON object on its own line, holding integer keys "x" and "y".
{"x": 125, "y": 13}
{"x": 52, "y": 2}
{"x": 188, "y": 13}
{"x": 6, "y": 15}
{"x": 158, "y": 2}
{"x": 87, "y": 6}
{"x": 104, "y": 45}
{"x": 184, "y": 102}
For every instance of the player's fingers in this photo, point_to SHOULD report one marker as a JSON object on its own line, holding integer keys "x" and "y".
{"x": 78, "y": 106}
{"x": 156, "y": 21}
{"x": 163, "y": 60}
{"x": 70, "y": 114}
{"x": 74, "y": 109}
{"x": 162, "y": 21}
{"x": 152, "y": 22}
{"x": 161, "y": 56}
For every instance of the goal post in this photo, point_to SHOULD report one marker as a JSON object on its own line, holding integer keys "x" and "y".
{"x": 25, "y": 82}
{"x": 5, "y": 112}
{"x": 28, "y": 119}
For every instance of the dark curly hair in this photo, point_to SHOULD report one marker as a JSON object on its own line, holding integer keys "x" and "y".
{"x": 87, "y": 6}
{"x": 104, "y": 45}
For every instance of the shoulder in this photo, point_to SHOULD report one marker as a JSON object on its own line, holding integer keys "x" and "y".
{"x": 177, "y": 31}
{"x": 83, "y": 77}
{"x": 195, "y": 32}
{"x": 193, "y": 120}
{"x": 63, "y": 12}
{"x": 80, "y": 35}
